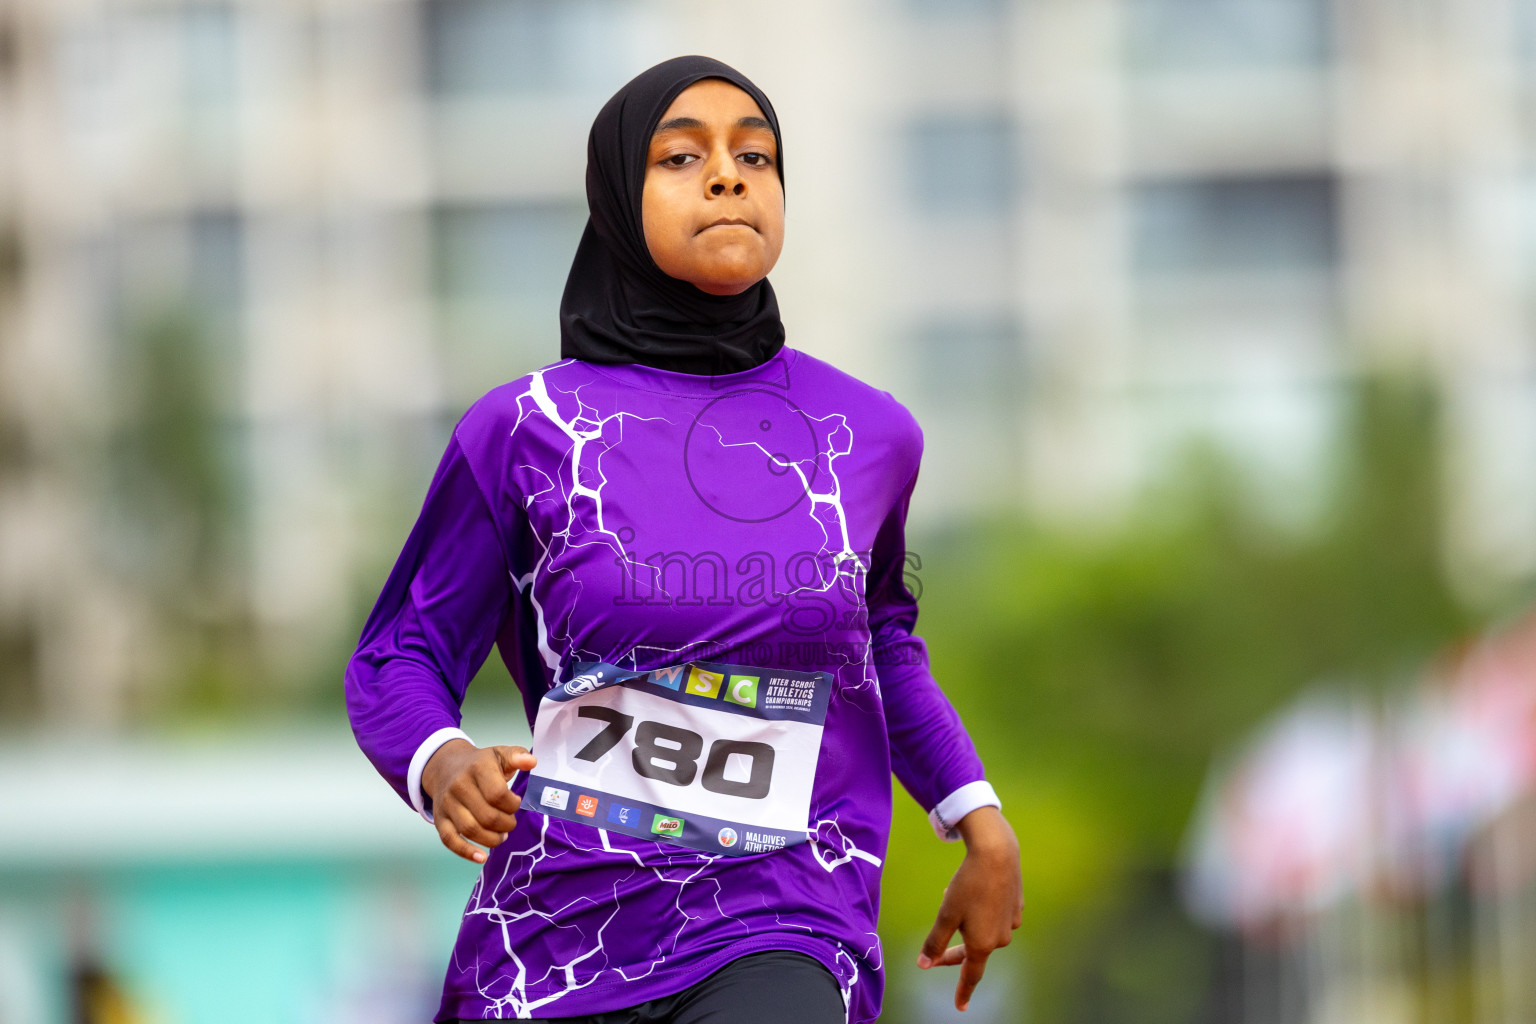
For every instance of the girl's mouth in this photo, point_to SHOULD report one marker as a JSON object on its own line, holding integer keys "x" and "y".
{"x": 726, "y": 222}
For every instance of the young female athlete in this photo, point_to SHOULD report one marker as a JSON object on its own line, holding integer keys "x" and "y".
{"x": 686, "y": 541}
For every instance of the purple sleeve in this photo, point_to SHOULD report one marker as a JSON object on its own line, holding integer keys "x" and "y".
{"x": 432, "y": 627}
{"x": 931, "y": 753}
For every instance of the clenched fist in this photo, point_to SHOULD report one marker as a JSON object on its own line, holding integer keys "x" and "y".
{"x": 470, "y": 799}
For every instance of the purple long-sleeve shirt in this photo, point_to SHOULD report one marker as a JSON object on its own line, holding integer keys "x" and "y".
{"x": 644, "y": 518}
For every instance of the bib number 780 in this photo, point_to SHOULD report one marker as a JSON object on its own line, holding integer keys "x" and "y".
{"x": 670, "y": 754}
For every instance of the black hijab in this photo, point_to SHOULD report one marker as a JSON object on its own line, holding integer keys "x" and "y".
{"x": 618, "y": 306}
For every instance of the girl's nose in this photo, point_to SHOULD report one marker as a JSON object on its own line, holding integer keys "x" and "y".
{"x": 724, "y": 175}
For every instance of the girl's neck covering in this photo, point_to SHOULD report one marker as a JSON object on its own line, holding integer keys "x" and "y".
{"x": 618, "y": 306}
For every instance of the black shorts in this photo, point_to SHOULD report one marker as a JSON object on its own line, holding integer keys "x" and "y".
{"x": 762, "y": 988}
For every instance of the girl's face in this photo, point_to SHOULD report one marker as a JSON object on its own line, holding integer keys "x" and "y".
{"x": 713, "y": 205}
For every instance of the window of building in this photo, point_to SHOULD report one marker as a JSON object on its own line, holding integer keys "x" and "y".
{"x": 171, "y": 292}
{"x": 1194, "y": 33}
{"x": 1523, "y": 16}
{"x": 216, "y": 291}
{"x": 210, "y": 46}
{"x": 954, "y": 9}
{"x": 964, "y": 163}
{"x": 970, "y": 357}
{"x": 499, "y": 271}
{"x": 1226, "y": 224}
{"x": 135, "y": 81}
{"x": 489, "y": 47}
{"x": 190, "y": 267}
{"x": 505, "y": 252}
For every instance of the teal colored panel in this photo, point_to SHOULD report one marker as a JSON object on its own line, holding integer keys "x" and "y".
{"x": 236, "y": 945}
{"x": 286, "y": 944}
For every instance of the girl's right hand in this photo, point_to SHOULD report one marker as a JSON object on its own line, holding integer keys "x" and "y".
{"x": 470, "y": 798}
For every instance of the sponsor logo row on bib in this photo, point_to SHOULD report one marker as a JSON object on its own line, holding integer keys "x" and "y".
{"x": 620, "y": 814}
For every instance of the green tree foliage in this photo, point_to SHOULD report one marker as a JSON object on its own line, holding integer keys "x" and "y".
{"x": 172, "y": 477}
{"x": 1098, "y": 675}
{"x": 174, "y": 516}
{"x": 18, "y": 628}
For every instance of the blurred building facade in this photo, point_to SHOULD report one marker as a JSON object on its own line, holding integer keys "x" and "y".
{"x": 1070, "y": 234}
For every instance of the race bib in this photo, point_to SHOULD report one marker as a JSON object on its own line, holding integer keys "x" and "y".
{"x": 715, "y": 757}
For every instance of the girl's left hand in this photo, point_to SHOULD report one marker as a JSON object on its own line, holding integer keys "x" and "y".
{"x": 984, "y": 902}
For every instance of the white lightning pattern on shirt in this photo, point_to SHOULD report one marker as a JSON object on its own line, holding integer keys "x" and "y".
{"x": 577, "y": 494}
{"x": 847, "y": 569}
{"x": 517, "y": 884}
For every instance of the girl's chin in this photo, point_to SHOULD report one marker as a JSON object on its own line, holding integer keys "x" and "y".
{"x": 725, "y": 287}
{"x": 731, "y": 279}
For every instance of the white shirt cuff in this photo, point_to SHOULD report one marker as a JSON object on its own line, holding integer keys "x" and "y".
{"x": 419, "y": 764}
{"x": 958, "y": 804}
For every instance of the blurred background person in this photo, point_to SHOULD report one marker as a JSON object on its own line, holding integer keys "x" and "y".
{"x": 1218, "y": 318}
